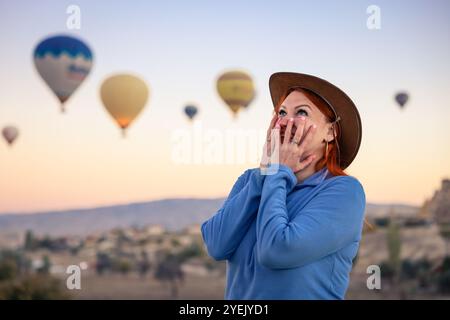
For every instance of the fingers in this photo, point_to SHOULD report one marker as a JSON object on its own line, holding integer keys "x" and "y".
{"x": 308, "y": 136}
{"x": 273, "y": 121}
{"x": 273, "y": 134}
{"x": 275, "y": 141}
{"x": 302, "y": 146}
{"x": 306, "y": 162}
{"x": 287, "y": 133}
{"x": 300, "y": 129}
{"x": 271, "y": 126}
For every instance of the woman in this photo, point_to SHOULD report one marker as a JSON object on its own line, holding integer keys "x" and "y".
{"x": 293, "y": 233}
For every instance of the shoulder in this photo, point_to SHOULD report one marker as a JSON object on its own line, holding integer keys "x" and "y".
{"x": 345, "y": 200}
{"x": 245, "y": 176}
{"x": 346, "y": 187}
{"x": 349, "y": 183}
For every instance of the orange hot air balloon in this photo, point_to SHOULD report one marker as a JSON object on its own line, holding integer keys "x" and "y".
{"x": 10, "y": 133}
{"x": 124, "y": 96}
{"x": 236, "y": 89}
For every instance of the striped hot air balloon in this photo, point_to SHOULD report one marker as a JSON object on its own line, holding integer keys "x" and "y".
{"x": 236, "y": 89}
{"x": 63, "y": 62}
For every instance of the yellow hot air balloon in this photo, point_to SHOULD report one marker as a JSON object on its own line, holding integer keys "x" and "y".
{"x": 124, "y": 96}
{"x": 236, "y": 89}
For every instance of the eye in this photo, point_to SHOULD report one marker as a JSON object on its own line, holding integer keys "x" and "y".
{"x": 282, "y": 113}
{"x": 301, "y": 110}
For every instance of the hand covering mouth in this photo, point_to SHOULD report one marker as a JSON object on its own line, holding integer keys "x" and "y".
{"x": 292, "y": 134}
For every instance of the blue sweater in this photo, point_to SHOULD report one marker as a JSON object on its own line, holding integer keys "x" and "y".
{"x": 287, "y": 240}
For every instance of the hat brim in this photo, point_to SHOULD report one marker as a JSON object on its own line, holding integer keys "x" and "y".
{"x": 342, "y": 106}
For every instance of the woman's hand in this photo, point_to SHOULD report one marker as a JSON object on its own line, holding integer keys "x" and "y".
{"x": 271, "y": 141}
{"x": 292, "y": 151}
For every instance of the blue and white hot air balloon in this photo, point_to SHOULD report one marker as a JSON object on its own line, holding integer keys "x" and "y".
{"x": 190, "y": 111}
{"x": 63, "y": 62}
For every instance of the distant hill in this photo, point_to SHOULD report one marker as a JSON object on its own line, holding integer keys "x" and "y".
{"x": 173, "y": 214}
{"x": 381, "y": 210}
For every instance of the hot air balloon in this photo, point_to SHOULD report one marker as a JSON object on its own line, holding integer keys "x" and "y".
{"x": 401, "y": 98}
{"x": 190, "y": 111}
{"x": 10, "y": 133}
{"x": 124, "y": 96}
{"x": 63, "y": 62}
{"x": 236, "y": 89}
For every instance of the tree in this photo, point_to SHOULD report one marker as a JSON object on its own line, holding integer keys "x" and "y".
{"x": 394, "y": 248}
{"x": 191, "y": 251}
{"x": 33, "y": 287}
{"x": 169, "y": 271}
{"x": 13, "y": 264}
{"x": 144, "y": 264}
{"x": 123, "y": 266}
{"x": 30, "y": 241}
{"x": 8, "y": 269}
{"x": 17, "y": 283}
{"x": 46, "y": 265}
{"x": 443, "y": 278}
{"x": 175, "y": 242}
{"x": 103, "y": 263}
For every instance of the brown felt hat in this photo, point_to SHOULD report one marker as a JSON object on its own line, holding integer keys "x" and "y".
{"x": 346, "y": 114}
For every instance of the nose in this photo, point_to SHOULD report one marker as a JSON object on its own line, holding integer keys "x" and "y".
{"x": 283, "y": 124}
{"x": 284, "y": 121}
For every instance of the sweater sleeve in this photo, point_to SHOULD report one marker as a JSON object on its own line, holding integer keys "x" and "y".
{"x": 330, "y": 221}
{"x": 223, "y": 232}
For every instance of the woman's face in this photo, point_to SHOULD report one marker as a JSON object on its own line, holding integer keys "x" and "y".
{"x": 296, "y": 105}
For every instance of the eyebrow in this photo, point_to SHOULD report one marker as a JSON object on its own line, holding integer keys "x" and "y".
{"x": 301, "y": 105}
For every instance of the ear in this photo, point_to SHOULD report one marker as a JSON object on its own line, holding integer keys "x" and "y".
{"x": 330, "y": 136}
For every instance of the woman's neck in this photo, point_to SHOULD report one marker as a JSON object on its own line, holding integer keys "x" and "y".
{"x": 304, "y": 174}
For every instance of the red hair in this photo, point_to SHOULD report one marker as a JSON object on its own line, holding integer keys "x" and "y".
{"x": 331, "y": 161}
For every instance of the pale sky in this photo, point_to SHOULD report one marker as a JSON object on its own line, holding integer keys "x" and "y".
{"x": 180, "y": 48}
